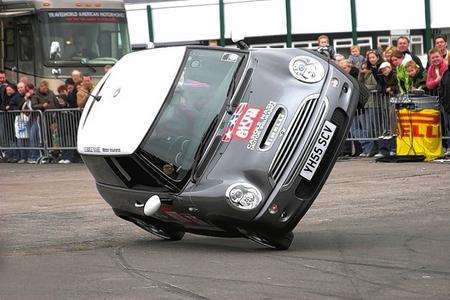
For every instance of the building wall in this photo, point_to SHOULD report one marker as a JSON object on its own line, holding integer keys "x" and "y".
{"x": 193, "y": 20}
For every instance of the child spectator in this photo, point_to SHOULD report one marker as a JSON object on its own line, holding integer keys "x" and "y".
{"x": 399, "y": 62}
{"x": 436, "y": 69}
{"x": 349, "y": 68}
{"x": 355, "y": 58}
{"x": 324, "y": 47}
{"x": 417, "y": 79}
{"x": 389, "y": 86}
{"x": 387, "y": 54}
{"x": 22, "y": 128}
{"x": 61, "y": 98}
{"x": 338, "y": 58}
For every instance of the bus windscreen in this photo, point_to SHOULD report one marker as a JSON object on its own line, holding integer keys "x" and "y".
{"x": 84, "y": 37}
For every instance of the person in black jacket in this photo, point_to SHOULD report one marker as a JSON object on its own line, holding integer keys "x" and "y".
{"x": 444, "y": 98}
{"x": 403, "y": 46}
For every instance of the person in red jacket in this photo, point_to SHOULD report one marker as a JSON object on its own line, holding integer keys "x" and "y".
{"x": 435, "y": 70}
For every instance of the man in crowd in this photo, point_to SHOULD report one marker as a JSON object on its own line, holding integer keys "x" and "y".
{"x": 84, "y": 91}
{"x": 18, "y": 99}
{"x": 440, "y": 42}
{"x": 42, "y": 99}
{"x": 403, "y": 46}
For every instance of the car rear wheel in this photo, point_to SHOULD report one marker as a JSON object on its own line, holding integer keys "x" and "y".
{"x": 165, "y": 233}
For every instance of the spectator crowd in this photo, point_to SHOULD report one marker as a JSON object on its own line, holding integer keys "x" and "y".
{"x": 23, "y": 99}
{"x": 392, "y": 71}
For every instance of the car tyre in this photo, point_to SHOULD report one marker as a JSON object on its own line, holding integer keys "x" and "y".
{"x": 165, "y": 233}
{"x": 275, "y": 242}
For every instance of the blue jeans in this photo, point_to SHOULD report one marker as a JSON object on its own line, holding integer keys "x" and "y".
{"x": 362, "y": 127}
{"x": 35, "y": 140}
{"x": 23, "y": 153}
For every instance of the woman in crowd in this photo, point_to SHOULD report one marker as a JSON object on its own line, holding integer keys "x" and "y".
{"x": 369, "y": 115}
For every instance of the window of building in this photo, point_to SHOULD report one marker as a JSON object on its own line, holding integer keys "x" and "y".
{"x": 10, "y": 49}
{"x": 26, "y": 43}
{"x": 416, "y": 44}
{"x": 306, "y": 44}
{"x": 383, "y": 41}
{"x": 342, "y": 46}
{"x": 365, "y": 43}
{"x": 272, "y": 45}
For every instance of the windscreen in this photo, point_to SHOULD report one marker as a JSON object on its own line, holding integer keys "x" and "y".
{"x": 82, "y": 37}
{"x": 187, "y": 114}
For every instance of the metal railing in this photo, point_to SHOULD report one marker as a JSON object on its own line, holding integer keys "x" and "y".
{"x": 378, "y": 118}
{"x": 36, "y": 136}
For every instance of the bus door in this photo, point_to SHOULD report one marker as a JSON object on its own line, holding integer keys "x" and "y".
{"x": 10, "y": 49}
{"x": 26, "y": 55}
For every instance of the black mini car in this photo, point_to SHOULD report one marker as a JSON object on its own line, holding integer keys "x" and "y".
{"x": 216, "y": 141}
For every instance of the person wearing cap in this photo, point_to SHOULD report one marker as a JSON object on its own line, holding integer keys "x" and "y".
{"x": 389, "y": 79}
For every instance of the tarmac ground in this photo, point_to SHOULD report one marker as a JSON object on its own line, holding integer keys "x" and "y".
{"x": 377, "y": 230}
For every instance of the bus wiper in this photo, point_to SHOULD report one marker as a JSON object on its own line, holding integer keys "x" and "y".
{"x": 203, "y": 143}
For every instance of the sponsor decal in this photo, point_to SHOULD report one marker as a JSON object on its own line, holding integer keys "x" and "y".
{"x": 183, "y": 218}
{"x": 244, "y": 114}
{"x": 101, "y": 150}
{"x": 230, "y": 57}
{"x": 275, "y": 130}
{"x": 253, "y": 141}
{"x": 87, "y": 16}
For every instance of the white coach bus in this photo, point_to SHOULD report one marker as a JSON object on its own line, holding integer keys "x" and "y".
{"x": 47, "y": 39}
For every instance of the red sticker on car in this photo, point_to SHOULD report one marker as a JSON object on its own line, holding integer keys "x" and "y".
{"x": 242, "y": 123}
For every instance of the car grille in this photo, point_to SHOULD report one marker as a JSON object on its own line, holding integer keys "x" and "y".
{"x": 296, "y": 132}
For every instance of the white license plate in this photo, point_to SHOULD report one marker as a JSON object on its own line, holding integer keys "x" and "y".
{"x": 318, "y": 151}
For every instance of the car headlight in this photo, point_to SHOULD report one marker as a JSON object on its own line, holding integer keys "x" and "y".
{"x": 243, "y": 196}
{"x": 307, "y": 69}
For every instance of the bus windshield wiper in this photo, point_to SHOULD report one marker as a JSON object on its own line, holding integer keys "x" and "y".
{"x": 201, "y": 148}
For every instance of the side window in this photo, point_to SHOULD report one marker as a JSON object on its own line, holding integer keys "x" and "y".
{"x": 10, "y": 50}
{"x": 26, "y": 48}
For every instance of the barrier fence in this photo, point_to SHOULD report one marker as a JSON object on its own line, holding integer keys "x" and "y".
{"x": 34, "y": 135}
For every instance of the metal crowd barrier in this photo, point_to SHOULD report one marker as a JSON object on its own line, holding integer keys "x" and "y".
{"x": 376, "y": 120}
{"x": 35, "y": 135}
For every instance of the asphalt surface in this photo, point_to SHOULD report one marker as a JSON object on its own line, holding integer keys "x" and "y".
{"x": 377, "y": 231}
